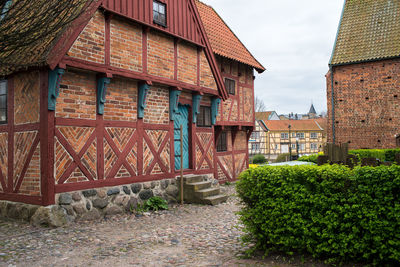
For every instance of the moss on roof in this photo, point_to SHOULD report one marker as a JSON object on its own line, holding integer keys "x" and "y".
{"x": 369, "y": 30}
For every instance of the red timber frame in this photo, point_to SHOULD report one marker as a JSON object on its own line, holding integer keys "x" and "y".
{"x": 44, "y": 130}
{"x": 100, "y": 133}
{"x": 234, "y": 125}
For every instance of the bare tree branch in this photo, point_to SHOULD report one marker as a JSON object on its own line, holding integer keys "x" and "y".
{"x": 27, "y": 22}
{"x": 259, "y": 105}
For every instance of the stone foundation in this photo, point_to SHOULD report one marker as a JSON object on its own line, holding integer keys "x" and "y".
{"x": 91, "y": 204}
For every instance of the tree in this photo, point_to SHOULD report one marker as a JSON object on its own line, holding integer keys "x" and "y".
{"x": 259, "y": 105}
{"x": 25, "y": 22}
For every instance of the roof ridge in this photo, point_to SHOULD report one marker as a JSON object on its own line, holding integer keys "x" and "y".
{"x": 212, "y": 8}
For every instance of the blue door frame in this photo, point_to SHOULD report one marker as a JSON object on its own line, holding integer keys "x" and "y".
{"x": 181, "y": 119}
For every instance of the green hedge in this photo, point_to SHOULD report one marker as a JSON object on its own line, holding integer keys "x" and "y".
{"x": 331, "y": 212}
{"x": 311, "y": 158}
{"x": 259, "y": 159}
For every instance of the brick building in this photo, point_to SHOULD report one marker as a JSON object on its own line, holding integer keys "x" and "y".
{"x": 101, "y": 102}
{"x": 363, "y": 84}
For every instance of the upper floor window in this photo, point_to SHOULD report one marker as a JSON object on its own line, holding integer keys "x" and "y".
{"x": 204, "y": 118}
{"x": 300, "y": 135}
{"x": 230, "y": 86}
{"x": 314, "y": 146}
{"x": 314, "y": 135}
{"x": 284, "y": 136}
{"x": 159, "y": 13}
{"x": 222, "y": 142}
{"x": 3, "y": 102}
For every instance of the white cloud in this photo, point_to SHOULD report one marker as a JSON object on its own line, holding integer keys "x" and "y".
{"x": 293, "y": 40}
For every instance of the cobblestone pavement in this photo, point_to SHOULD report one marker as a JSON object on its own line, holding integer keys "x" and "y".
{"x": 191, "y": 235}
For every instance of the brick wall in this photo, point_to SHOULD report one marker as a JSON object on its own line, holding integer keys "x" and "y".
{"x": 160, "y": 55}
{"x": 241, "y": 141}
{"x": 206, "y": 76}
{"x": 126, "y": 45}
{"x": 91, "y": 42}
{"x": 3, "y": 157}
{"x": 26, "y": 98}
{"x": 77, "y": 98}
{"x": 157, "y": 108}
{"x": 121, "y": 100}
{"x": 367, "y": 104}
{"x": 187, "y": 63}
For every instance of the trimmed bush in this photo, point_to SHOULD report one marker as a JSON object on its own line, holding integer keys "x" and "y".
{"x": 311, "y": 158}
{"x": 283, "y": 157}
{"x": 331, "y": 212}
{"x": 369, "y": 153}
{"x": 259, "y": 159}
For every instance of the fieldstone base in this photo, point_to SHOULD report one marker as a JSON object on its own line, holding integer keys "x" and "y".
{"x": 93, "y": 204}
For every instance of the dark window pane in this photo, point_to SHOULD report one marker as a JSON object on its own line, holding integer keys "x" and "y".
{"x": 204, "y": 118}
{"x": 221, "y": 142}
{"x": 3, "y": 87}
{"x": 3, "y": 115}
{"x": 3, "y": 101}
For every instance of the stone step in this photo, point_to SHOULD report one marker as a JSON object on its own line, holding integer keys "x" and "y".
{"x": 208, "y": 192}
{"x": 197, "y": 186}
{"x": 215, "y": 200}
{"x": 192, "y": 178}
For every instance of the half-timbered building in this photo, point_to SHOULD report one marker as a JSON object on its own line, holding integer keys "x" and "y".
{"x": 101, "y": 102}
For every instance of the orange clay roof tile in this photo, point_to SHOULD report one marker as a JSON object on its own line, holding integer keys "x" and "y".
{"x": 223, "y": 41}
{"x": 296, "y": 125}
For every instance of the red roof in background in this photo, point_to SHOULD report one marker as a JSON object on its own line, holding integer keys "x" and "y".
{"x": 323, "y": 122}
{"x": 264, "y": 115}
{"x": 223, "y": 41}
{"x": 296, "y": 125}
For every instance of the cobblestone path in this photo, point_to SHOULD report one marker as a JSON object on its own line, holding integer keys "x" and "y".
{"x": 191, "y": 235}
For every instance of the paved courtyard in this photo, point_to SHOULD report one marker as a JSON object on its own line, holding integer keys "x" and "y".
{"x": 192, "y": 235}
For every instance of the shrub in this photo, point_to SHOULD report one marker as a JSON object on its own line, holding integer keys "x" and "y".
{"x": 369, "y": 153}
{"x": 311, "y": 158}
{"x": 154, "y": 203}
{"x": 259, "y": 159}
{"x": 332, "y": 212}
{"x": 283, "y": 157}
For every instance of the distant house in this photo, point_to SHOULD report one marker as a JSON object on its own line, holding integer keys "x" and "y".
{"x": 258, "y": 139}
{"x": 363, "y": 83}
{"x": 301, "y": 136}
{"x": 267, "y": 115}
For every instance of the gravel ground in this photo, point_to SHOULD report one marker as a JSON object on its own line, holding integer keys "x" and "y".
{"x": 191, "y": 235}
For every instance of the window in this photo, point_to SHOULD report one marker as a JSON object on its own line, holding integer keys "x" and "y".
{"x": 314, "y": 135}
{"x": 255, "y": 135}
{"x": 3, "y": 102}
{"x": 5, "y": 9}
{"x": 255, "y": 146}
{"x": 230, "y": 86}
{"x": 284, "y": 136}
{"x": 159, "y": 13}
{"x": 204, "y": 118}
{"x": 302, "y": 147}
{"x": 221, "y": 142}
{"x": 314, "y": 146}
{"x": 293, "y": 146}
{"x": 276, "y": 147}
{"x": 293, "y": 134}
{"x": 300, "y": 135}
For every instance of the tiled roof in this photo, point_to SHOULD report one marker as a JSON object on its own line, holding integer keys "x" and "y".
{"x": 296, "y": 125}
{"x": 263, "y": 115}
{"x": 223, "y": 41}
{"x": 369, "y": 30}
{"x": 323, "y": 123}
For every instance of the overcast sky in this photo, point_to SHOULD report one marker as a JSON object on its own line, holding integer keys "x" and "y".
{"x": 293, "y": 40}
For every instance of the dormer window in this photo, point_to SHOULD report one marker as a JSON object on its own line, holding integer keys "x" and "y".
{"x": 159, "y": 13}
